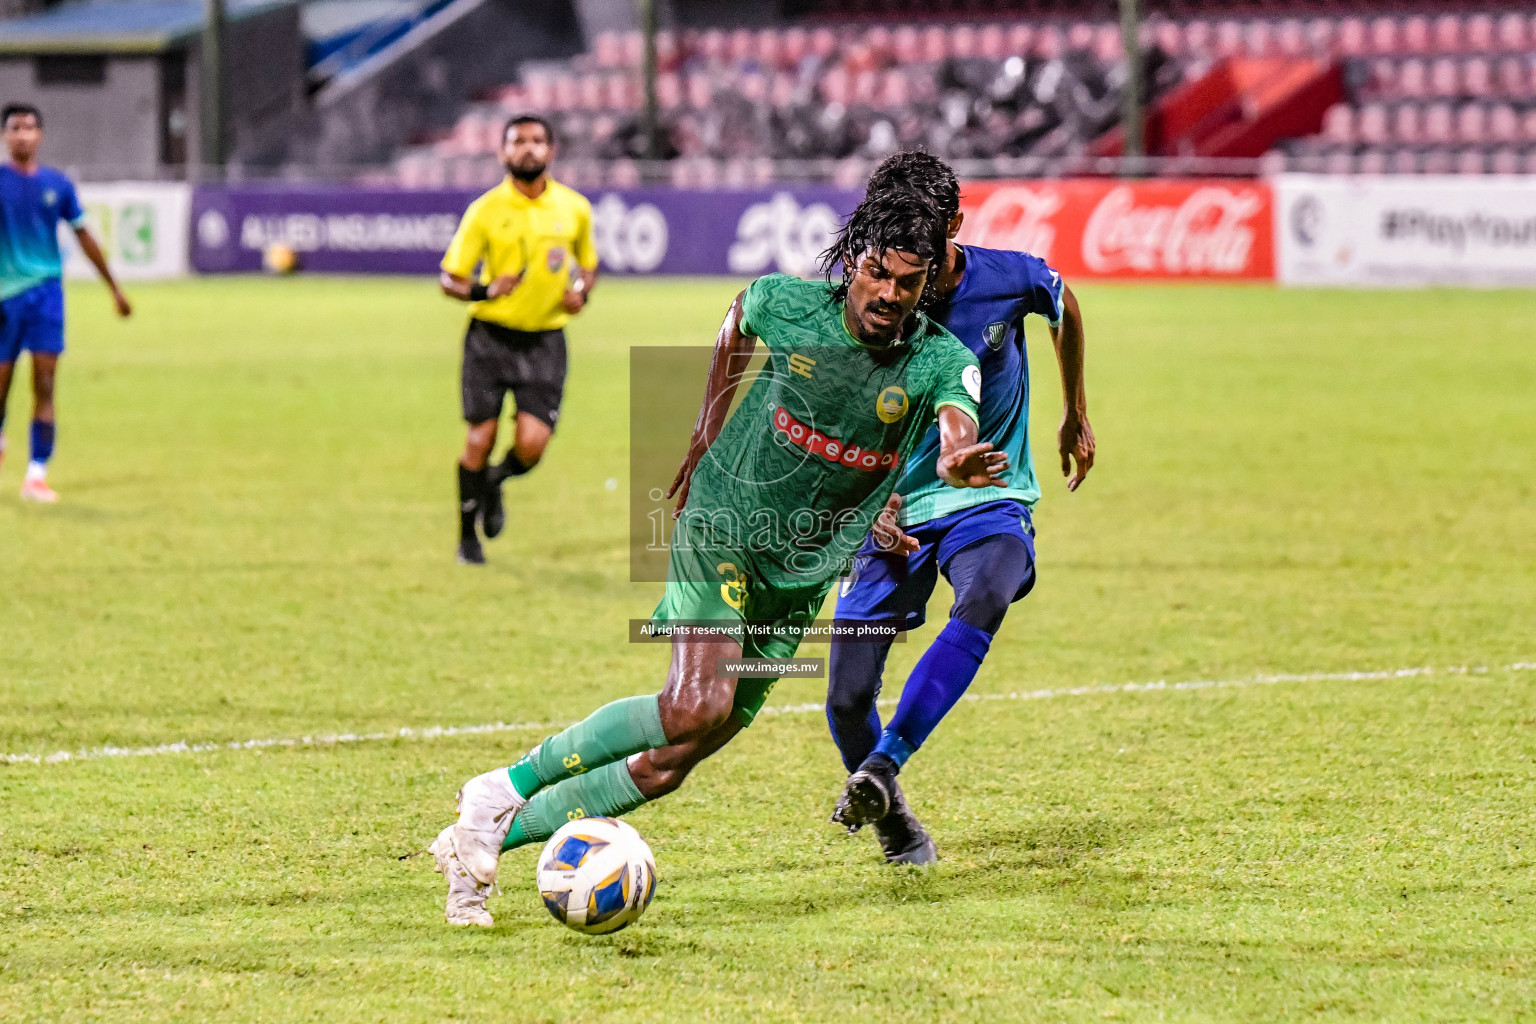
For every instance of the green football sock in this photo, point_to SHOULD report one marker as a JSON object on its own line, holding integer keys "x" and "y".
{"x": 605, "y": 792}
{"x": 611, "y": 733}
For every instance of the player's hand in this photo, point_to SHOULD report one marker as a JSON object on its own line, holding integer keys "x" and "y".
{"x": 1075, "y": 442}
{"x": 975, "y": 465}
{"x": 503, "y": 285}
{"x": 889, "y": 536}
{"x": 681, "y": 482}
{"x": 574, "y": 301}
{"x": 120, "y": 301}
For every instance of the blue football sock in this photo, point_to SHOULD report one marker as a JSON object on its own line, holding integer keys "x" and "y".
{"x": 42, "y": 442}
{"x": 937, "y": 682}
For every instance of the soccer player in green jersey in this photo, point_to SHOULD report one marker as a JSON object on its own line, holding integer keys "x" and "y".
{"x": 772, "y": 502}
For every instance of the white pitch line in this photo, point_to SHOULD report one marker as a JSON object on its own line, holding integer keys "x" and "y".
{"x": 436, "y": 731}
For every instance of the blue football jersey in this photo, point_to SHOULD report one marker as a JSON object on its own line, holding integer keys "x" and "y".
{"x": 31, "y": 207}
{"x": 986, "y": 312}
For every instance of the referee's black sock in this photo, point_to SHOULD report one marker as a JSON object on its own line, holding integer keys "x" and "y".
{"x": 473, "y": 483}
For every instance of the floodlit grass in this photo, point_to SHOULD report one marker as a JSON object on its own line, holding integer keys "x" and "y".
{"x": 256, "y": 539}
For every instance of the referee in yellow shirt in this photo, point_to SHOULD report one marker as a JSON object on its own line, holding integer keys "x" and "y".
{"x": 524, "y": 260}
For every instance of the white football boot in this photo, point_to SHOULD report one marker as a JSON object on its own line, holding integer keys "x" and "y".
{"x": 466, "y": 897}
{"x": 487, "y": 805}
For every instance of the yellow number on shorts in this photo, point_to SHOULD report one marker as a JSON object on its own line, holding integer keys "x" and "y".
{"x": 734, "y": 590}
{"x": 578, "y": 813}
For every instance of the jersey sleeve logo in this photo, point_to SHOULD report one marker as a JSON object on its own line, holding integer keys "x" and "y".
{"x": 994, "y": 334}
{"x": 891, "y": 405}
{"x": 971, "y": 378}
{"x": 50, "y": 197}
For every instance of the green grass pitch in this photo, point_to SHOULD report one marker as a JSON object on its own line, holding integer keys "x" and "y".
{"x": 256, "y": 540}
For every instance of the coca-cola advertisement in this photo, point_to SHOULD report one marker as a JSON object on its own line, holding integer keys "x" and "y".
{"x": 1128, "y": 229}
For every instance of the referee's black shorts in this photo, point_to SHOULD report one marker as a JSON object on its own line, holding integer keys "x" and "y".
{"x": 530, "y": 364}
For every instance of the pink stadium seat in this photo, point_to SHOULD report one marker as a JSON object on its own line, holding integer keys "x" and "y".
{"x": 1322, "y": 32}
{"x": 1472, "y": 124}
{"x": 1437, "y": 161}
{"x": 565, "y": 90}
{"x": 669, "y": 91}
{"x": 1438, "y": 123}
{"x": 962, "y": 41}
{"x": 753, "y": 87}
{"x": 1504, "y": 161}
{"x": 633, "y": 49}
{"x": 1372, "y": 124}
{"x": 1229, "y": 38}
{"x": 935, "y": 44}
{"x": 797, "y": 44}
{"x": 1407, "y": 123}
{"x": 1476, "y": 77}
{"x": 1049, "y": 42}
{"x": 1509, "y": 77}
{"x": 1414, "y": 35}
{"x": 879, "y": 41}
{"x": 1020, "y": 37}
{"x": 1478, "y": 33}
{"x": 1384, "y": 35}
{"x": 865, "y": 85}
{"x": 823, "y": 43}
{"x": 1199, "y": 38}
{"x": 1339, "y": 124}
{"x": 835, "y": 86}
{"x": 1352, "y": 37}
{"x": 1168, "y": 38}
{"x": 1338, "y": 161}
{"x": 1412, "y": 78}
{"x": 782, "y": 92}
{"x": 1079, "y": 35}
{"x": 539, "y": 91}
{"x": 1291, "y": 38}
{"x": 1447, "y": 36}
{"x": 894, "y": 92}
{"x": 1471, "y": 161}
{"x": 1503, "y": 123}
{"x": 739, "y": 46}
{"x": 768, "y": 49}
{"x": 712, "y": 46}
{"x": 1383, "y": 80}
{"x": 1258, "y": 39}
{"x": 991, "y": 43}
{"x": 906, "y": 46}
{"x": 698, "y": 90}
{"x": 623, "y": 174}
{"x": 1528, "y": 162}
{"x": 1373, "y": 161}
{"x": 1443, "y": 79}
{"x": 1512, "y": 33}
{"x": 1403, "y": 161}
{"x": 589, "y": 91}
{"x": 607, "y": 50}
{"x": 1528, "y": 125}
{"x": 1107, "y": 46}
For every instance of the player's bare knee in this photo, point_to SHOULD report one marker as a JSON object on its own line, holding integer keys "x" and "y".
{"x": 693, "y": 713}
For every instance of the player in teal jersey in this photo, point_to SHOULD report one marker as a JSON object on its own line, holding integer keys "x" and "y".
{"x": 772, "y": 502}
{"x": 34, "y": 200}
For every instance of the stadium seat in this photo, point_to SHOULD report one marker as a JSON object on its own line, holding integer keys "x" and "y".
{"x": 1503, "y": 123}
{"x": 1372, "y": 161}
{"x": 1437, "y": 161}
{"x": 1322, "y": 34}
{"x": 1407, "y": 123}
{"x": 1339, "y": 124}
{"x": 1383, "y": 36}
{"x": 1476, "y": 77}
{"x": 1443, "y": 78}
{"x": 1291, "y": 38}
{"x": 1403, "y": 161}
{"x": 1414, "y": 35}
{"x": 1229, "y": 38}
{"x": 1437, "y": 123}
{"x": 1511, "y": 33}
{"x": 1504, "y": 161}
{"x": 1471, "y": 161}
{"x": 1373, "y": 124}
{"x": 991, "y": 42}
{"x": 1472, "y": 124}
{"x": 1413, "y": 79}
{"x": 1447, "y": 34}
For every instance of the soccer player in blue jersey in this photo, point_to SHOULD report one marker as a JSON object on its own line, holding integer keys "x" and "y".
{"x": 33, "y": 200}
{"x": 981, "y": 540}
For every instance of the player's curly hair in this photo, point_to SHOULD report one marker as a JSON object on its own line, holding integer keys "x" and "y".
{"x": 921, "y": 172}
{"x": 892, "y": 219}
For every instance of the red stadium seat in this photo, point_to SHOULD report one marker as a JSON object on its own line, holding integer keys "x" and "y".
{"x": 1407, "y": 123}
{"x": 1384, "y": 35}
{"x": 1472, "y": 124}
{"x": 1511, "y": 33}
{"x": 1339, "y": 124}
{"x": 1414, "y": 35}
{"x": 1448, "y": 33}
{"x": 935, "y": 44}
{"x": 1443, "y": 78}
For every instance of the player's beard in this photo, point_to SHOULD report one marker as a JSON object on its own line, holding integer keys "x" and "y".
{"x": 526, "y": 173}
{"x": 872, "y": 334}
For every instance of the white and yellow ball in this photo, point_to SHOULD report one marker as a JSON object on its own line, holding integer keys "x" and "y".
{"x": 278, "y": 258}
{"x": 596, "y": 875}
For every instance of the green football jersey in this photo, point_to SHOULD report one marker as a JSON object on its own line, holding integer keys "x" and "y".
{"x": 805, "y": 463}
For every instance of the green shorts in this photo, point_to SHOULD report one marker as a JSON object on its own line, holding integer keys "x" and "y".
{"x": 711, "y": 585}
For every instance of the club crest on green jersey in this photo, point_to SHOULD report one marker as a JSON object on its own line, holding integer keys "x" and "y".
{"x": 993, "y": 335}
{"x": 891, "y": 405}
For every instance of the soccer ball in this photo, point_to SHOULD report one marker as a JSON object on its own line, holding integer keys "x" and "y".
{"x": 596, "y": 875}
{"x": 278, "y": 258}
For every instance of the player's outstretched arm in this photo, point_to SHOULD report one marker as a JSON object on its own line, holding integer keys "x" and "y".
{"x": 98, "y": 260}
{"x": 962, "y": 461}
{"x": 1075, "y": 438}
{"x": 733, "y": 351}
{"x": 456, "y": 286}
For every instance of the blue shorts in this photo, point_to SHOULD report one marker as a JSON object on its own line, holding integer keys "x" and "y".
{"x": 884, "y": 586}
{"x": 33, "y": 321}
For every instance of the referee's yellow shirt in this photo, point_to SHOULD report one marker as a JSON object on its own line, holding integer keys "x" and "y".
{"x": 544, "y": 239}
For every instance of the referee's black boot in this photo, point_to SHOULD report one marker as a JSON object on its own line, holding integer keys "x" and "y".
{"x": 472, "y": 488}
{"x": 493, "y": 514}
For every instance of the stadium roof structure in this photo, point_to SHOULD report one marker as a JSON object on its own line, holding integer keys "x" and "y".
{"x": 116, "y": 26}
